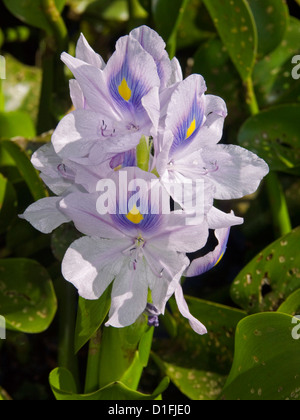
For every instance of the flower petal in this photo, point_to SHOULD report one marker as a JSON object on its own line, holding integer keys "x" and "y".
{"x": 185, "y": 115}
{"x": 166, "y": 268}
{"x": 92, "y": 264}
{"x": 76, "y": 134}
{"x": 217, "y": 219}
{"x": 129, "y": 295}
{"x": 76, "y": 94}
{"x": 131, "y": 74}
{"x": 196, "y": 325}
{"x": 239, "y": 171}
{"x": 85, "y": 53}
{"x": 155, "y": 46}
{"x": 93, "y": 85}
{"x": 44, "y": 215}
{"x": 179, "y": 236}
{"x": 81, "y": 208}
{"x": 202, "y": 265}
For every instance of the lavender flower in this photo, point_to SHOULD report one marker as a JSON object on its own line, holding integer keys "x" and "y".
{"x": 131, "y": 238}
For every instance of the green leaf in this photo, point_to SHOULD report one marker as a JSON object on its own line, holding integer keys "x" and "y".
{"x": 119, "y": 350}
{"x": 22, "y": 90}
{"x": 273, "y": 75}
{"x": 27, "y": 297}
{"x": 63, "y": 387}
{"x": 266, "y": 362}
{"x": 271, "y": 19}
{"x": 236, "y": 27}
{"x": 28, "y": 172}
{"x": 16, "y": 123}
{"x": 274, "y": 135}
{"x": 31, "y": 12}
{"x": 8, "y": 203}
{"x": 270, "y": 277}
{"x": 213, "y": 63}
{"x": 195, "y": 26}
{"x": 90, "y": 316}
{"x": 195, "y": 384}
{"x": 191, "y": 360}
{"x": 291, "y": 305}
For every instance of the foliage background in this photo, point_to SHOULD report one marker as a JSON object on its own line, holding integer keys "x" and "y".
{"x": 217, "y": 40}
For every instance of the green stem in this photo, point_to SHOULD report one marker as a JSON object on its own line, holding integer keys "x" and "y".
{"x": 54, "y": 81}
{"x": 280, "y": 213}
{"x": 93, "y": 364}
{"x": 279, "y": 208}
{"x": 143, "y": 154}
{"x": 251, "y": 97}
{"x": 59, "y": 30}
{"x": 67, "y": 318}
{"x": 172, "y": 41}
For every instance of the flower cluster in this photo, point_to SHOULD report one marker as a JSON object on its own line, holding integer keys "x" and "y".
{"x": 139, "y": 132}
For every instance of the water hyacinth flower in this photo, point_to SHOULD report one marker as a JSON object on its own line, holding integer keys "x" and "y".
{"x": 139, "y": 250}
{"x": 189, "y": 149}
{"x": 140, "y": 246}
{"x": 118, "y": 102}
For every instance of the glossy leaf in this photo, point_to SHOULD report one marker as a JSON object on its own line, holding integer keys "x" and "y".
{"x": 236, "y": 27}
{"x": 213, "y": 63}
{"x": 266, "y": 361}
{"x": 31, "y": 12}
{"x": 273, "y": 75}
{"x": 291, "y": 305}
{"x": 195, "y": 26}
{"x": 119, "y": 350}
{"x": 274, "y": 135}
{"x": 195, "y": 384}
{"x": 271, "y": 19}
{"x": 64, "y": 388}
{"x": 270, "y": 277}
{"x": 90, "y": 316}
{"x": 191, "y": 360}
{"x": 9, "y": 128}
{"x": 30, "y": 175}
{"x": 27, "y": 297}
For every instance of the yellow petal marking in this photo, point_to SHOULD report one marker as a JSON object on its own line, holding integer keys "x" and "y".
{"x": 124, "y": 90}
{"x": 191, "y": 129}
{"x": 135, "y": 216}
{"x": 219, "y": 259}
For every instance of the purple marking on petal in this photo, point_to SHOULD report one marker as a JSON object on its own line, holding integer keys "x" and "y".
{"x": 137, "y": 88}
{"x": 124, "y": 160}
{"x": 195, "y": 117}
{"x": 66, "y": 172}
{"x": 203, "y": 264}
